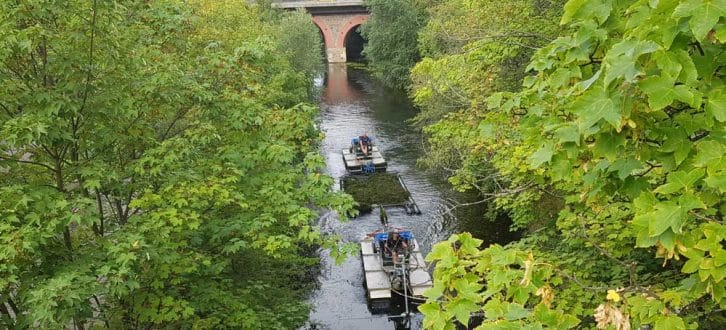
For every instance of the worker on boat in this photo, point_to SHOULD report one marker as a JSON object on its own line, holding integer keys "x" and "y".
{"x": 365, "y": 143}
{"x": 395, "y": 244}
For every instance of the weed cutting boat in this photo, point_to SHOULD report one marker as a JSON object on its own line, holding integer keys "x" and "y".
{"x": 359, "y": 162}
{"x": 388, "y": 276}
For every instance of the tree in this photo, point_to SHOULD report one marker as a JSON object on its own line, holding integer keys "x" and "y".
{"x": 473, "y": 49}
{"x": 300, "y": 40}
{"x": 623, "y": 118}
{"x": 392, "y": 32}
{"x": 151, "y": 152}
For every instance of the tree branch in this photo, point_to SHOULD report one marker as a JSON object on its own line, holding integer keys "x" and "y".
{"x": 573, "y": 278}
{"x": 89, "y": 77}
{"x": 179, "y": 115}
{"x": 699, "y": 135}
{"x": 490, "y": 197}
{"x": 630, "y": 266}
{"x": 27, "y": 162}
{"x": 652, "y": 166}
{"x": 703, "y": 217}
{"x": 10, "y": 113}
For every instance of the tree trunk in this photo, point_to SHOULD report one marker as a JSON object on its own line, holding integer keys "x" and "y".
{"x": 60, "y": 185}
{"x": 101, "y": 230}
{"x": 13, "y": 307}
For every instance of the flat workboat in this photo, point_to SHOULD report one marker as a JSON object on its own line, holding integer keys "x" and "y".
{"x": 356, "y": 162}
{"x": 385, "y": 280}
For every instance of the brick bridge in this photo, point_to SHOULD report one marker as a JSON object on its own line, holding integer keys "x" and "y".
{"x": 336, "y": 20}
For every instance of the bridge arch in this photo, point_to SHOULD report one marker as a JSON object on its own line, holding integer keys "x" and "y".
{"x": 348, "y": 27}
{"x": 325, "y": 30}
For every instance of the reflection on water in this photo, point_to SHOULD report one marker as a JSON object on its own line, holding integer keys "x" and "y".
{"x": 337, "y": 88}
{"x": 353, "y": 103}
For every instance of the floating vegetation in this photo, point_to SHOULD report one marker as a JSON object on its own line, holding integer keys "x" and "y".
{"x": 378, "y": 188}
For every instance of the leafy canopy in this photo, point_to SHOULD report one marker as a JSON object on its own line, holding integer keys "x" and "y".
{"x": 621, "y": 118}
{"x": 391, "y": 33}
{"x": 157, "y": 166}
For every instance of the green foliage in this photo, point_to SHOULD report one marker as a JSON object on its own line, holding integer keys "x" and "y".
{"x": 509, "y": 286}
{"x": 392, "y": 32}
{"x": 474, "y": 48}
{"x": 152, "y": 155}
{"x": 621, "y": 117}
{"x": 300, "y": 40}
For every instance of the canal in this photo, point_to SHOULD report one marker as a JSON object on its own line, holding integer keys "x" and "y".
{"x": 353, "y": 103}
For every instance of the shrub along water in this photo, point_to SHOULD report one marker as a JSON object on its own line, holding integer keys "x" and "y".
{"x": 156, "y": 165}
{"x": 615, "y": 117}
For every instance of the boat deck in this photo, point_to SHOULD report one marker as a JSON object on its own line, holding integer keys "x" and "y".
{"x": 354, "y": 162}
{"x": 377, "y": 279}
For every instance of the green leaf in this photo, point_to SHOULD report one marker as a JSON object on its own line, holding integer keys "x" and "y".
{"x": 468, "y": 244}
{"x": 666, "y": 215}
{"x": 679, "y": 144}
{"x": 668, "y": 62}
{"x": 711, "y": 154}
{"x": 668, "y": 239}
{"x": 660, "y": 90}
{"x": 494, "y": 309}
{"x": 689, "y": 74}
{"x": 516, "y": 312}
{"x": 571, "y": 9}
{"x": 494, "y": 101}
{"x": 669, "y": 323}
{"x": 568, "y": 133}
{"x": 467, "y": 288}
{"x": 92, "y": 184}
{"x": 584, "y": 9}
{"x": 625, "y": 167}
{"x": 443, "y": 253}
{"x": 585, "y": 84}
{"x": 721, "y": 32}
{"x": 462, "y": 309}
{"x": 594, "y": 105}
{"x": 704, "y": 15}
{"x": 620, "y": 61}
{"x": 486, "y": 130}
{"x": 716, "y": 104}
{"x": 691, "y": 266}
{"x": 561, "y": 168}
{"x": 645, "y": 202}
{"x": 680, "y": 180}
{"x": 546, "y": 316}
{"x": 608, "y": 145}
{"x": 689, "y": 201}
{"x": 542, "y": 155}
{"x": 684, "y": 94}
{"x": 436, "y": 291}
{"x": 716, "y": 181}
{"x": 435, "y": 318}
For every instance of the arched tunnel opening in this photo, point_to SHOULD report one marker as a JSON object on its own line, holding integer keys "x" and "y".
{"x": 354, "y": 43}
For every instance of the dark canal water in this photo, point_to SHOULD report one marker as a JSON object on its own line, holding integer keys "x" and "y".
{"x": 353, "y": 103}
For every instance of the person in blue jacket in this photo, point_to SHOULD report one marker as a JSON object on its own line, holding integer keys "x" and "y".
{"x": 365, "y": 143}
{"x": 395, "y": 244}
